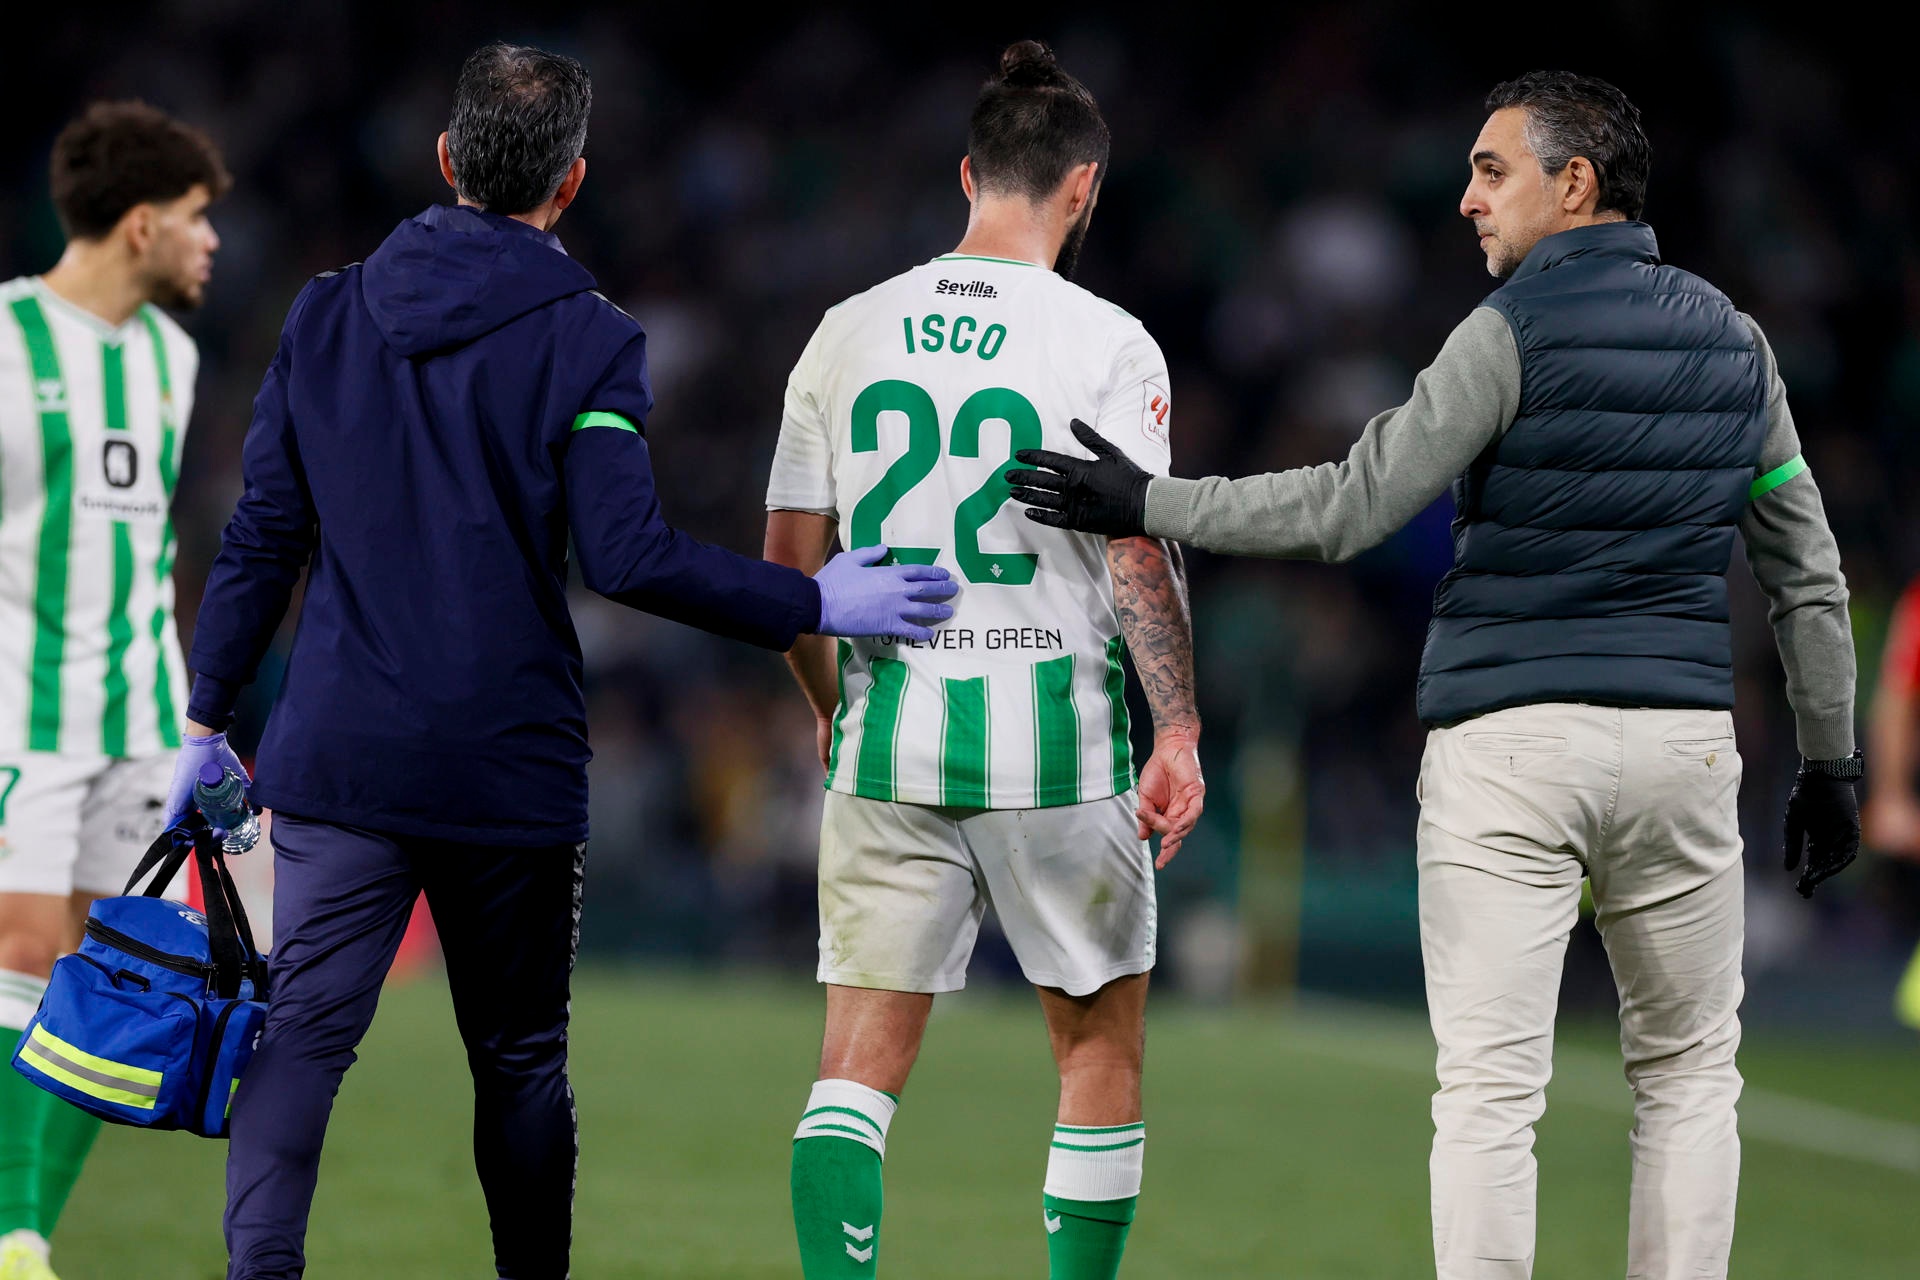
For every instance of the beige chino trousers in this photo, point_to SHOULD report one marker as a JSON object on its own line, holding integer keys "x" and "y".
{"x": 1517, "y": 806}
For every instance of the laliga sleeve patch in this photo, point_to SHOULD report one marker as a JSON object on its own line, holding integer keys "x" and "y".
{"x": 1156, "y": 406}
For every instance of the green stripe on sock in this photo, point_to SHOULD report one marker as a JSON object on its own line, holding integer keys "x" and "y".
{"x": 845, "y": 1111}
{"x": 880, "y": 729}
{"x": 1778, "y": 476}
{"x": 1112, "y": 1128}
{"x": 964, "y": 743}
{"x": 1056, "y": 734}
{"x": 815, "y": 1131}
{"x": 1118, "y": 1146}
{"x": 56, "y": 528}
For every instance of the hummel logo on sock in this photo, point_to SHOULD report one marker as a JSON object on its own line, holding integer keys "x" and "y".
{"x": 859, "y": 1233}
{"x": 1051, "y": 1219}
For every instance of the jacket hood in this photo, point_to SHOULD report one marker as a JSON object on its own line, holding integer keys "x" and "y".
{"x": 454, "y": 274}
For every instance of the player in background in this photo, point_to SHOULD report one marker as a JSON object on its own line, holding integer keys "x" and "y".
{"x": 96, "y": 385}
{"x": 993, "y": 763}
{"x": 1890, "y": 819}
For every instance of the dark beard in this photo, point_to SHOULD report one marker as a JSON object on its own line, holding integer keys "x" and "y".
{"x": 1069, "y": 256}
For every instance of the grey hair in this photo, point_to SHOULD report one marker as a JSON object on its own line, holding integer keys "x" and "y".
{"x": 1570, "y": 115}
{"x": 519, "y": 122}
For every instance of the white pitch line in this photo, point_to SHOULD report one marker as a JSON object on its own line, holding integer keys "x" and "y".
{"x": 1584, "y": 1078}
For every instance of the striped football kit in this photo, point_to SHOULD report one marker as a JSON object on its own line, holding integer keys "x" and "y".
{"x": 91, "y": 677}
{"x": 996, "y": 755}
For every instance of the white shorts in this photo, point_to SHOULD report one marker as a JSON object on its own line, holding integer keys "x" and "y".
{"x": 77, "y": 823}
{"x": 903, "y": 888}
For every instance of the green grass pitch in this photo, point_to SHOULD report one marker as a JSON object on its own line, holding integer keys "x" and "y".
{"x": 1281, "y": 1144}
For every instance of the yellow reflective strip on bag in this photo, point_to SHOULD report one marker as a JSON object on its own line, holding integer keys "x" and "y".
{"x": 233, "y": 1087}
{"x": 72, "y": 1053}
{"x": 43, "y": 1062}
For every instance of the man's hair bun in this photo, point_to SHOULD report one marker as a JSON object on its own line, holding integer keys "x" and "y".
{"x": 1031, "y": 124}
{"x": 1029, "y": 64}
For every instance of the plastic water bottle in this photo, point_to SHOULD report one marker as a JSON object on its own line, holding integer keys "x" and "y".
{"x": 222, "y": 796}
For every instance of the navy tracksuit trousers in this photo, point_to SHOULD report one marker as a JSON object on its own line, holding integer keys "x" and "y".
{"x": 509, "y": 925}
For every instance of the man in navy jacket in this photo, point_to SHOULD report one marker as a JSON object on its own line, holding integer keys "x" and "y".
{"x": 435, "y": 424}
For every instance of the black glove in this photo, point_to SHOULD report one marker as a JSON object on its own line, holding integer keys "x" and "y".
{"x": 1823, "y": 810}
{"x": 1106, "y": 495}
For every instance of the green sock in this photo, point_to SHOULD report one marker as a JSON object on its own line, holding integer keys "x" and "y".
{"x": 69, "y": 1135}
{"x": 1085, "y": 1238}
{"x": 1093, "y": 1183}
{"x": 23, "y": 1117}
{"x": 837, "y": 1155}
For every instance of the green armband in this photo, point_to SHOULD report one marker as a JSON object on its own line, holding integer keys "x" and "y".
{"x": 601, "y": 419}
{"x": 1778, "y": 476}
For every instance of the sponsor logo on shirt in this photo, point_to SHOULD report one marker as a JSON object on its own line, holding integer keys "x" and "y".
{"x": 119, "y": 508}
{"x": 967, "y": 288}
{"x": 1155, "y": 408}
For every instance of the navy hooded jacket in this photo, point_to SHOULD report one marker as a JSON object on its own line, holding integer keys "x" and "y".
{"x": 435, "y": 423}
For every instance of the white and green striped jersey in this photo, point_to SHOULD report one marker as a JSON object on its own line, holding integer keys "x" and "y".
{"x": 91, "y": 422}
{"x": 902, "y": 416}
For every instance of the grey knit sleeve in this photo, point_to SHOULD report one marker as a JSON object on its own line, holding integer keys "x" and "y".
{"x": 1404, "y": 459}
{"x": 1794, "y": 558}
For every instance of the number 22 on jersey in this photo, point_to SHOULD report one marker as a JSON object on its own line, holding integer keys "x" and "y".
{"x": 1009, "y": 568}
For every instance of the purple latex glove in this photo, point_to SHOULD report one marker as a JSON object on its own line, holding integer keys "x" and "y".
{"x": 195, "y": 752}
{"x": 859, "y": 597}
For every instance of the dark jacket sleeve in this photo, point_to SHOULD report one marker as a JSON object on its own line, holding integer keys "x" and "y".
{"x": 630, "y": 554}
{"x": 262, "y": 551}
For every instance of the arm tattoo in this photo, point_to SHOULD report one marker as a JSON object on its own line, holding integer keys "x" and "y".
{"x": 1150, "y": 594}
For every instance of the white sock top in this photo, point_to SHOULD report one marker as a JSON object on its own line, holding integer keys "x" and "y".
{"x": 1096, "y": 1162}
{"x": 850, "y": 1110}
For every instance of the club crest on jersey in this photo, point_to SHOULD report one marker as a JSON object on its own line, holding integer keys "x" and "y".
{"x": 1155, "y": 408}
{"x": 120, "y": 464}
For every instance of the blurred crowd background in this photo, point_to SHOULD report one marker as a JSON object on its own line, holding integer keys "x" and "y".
{"x": 1281, "y": 212}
